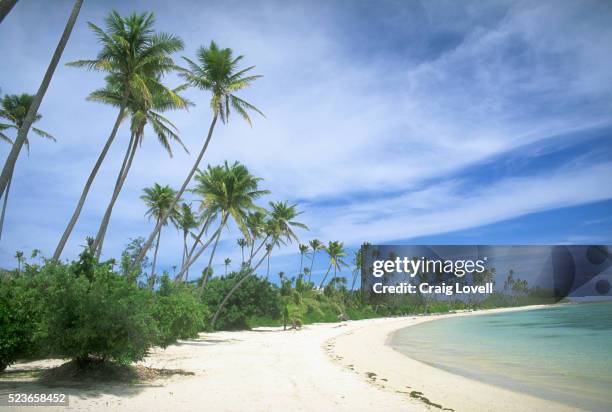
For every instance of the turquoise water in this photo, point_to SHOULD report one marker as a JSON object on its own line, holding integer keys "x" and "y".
{"x": 562, "y": 353}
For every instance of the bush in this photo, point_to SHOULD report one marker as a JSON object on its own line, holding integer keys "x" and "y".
{"x": 178, "y": 312}
{"x": 97, "y": 313}
{"x": 20, "y": 315}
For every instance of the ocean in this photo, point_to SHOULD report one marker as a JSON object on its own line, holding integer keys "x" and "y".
{"x": 562, "y": 353}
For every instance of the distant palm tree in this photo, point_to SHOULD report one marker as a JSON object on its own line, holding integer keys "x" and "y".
{"x": 335, "y": 250}
{"x": 30, "y": 116}
{"x": 303, "y": 250}
{"x": 225, "y": 191}
{"x": 242, "y": 243}
{"x": 14, "y": 109}
{"x": 256, "y": 222}
{"x": 315, "y": 245}
{"x": 227, "y": 262}
{"x": 216, "y": 71}
{"x": 158, "y": 200}
{"x": 133, "y": 56}
{"x": 143, "y": 112}
{"x": 20, "y": 259}
{"x": 269, "y": 248}
{"x": 185, "y": 221}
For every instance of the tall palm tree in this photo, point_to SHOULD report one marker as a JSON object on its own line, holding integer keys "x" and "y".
{"x": 242, "y": 242}
{"x": 303, "y": 250}
{"x": 216, "y": 71}
{"x": 278, "y": 229}
{"x": 186, "y": 221}
{"x": 226, "y": 191}
{"x": 133, "y": 56}
{"x": 158, "y": 200}
{"x": 6, "y": 7}
{"x": 227, "y": 262}
{"x": 335, "y": 250}
{"x": 142, "y": 112}
{"x": 315, "y": 246}
{"x": 13, "y": 109}
{"x": 30, "y": 116}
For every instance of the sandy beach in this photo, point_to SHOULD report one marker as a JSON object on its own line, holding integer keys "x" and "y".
{"x": 342, "y": 366}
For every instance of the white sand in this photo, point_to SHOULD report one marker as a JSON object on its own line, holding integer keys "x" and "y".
{"x": 272, "y": 370}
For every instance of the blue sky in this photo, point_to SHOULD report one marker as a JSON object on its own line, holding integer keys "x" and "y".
{"x": 408, "y": 122}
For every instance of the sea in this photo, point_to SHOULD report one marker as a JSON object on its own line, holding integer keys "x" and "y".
{"x": 562, "y": 352}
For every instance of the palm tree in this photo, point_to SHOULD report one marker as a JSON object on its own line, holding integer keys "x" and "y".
{"x": 143, "y": 112}
{"x": 303, "y": 250}
{"x": 315, "y": 245}
{"x": 20, "y": 259}
{"x": 14, "y": 109}
{"x": 227, "y": 262}
{"x": 158, "y": 200}
{"x": 30, "y": 116}
{"x": 225, "y": 191}
{"x": 357, "y": 263}
{"x": 6, "y": 7}
{"x": 278, "y": 229}
{"x": 134, "y": 57}
{"x": 216, "y": 71}
{"x": 185, "y": 221}
{"x": 242, "y": 243}
{"x": 269, "y": 248}
{"x": 335, "y": 251}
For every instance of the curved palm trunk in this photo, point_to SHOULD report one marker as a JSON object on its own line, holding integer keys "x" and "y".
{"x": 235, "y": 288}
{"x": 22, "y": 133}
{"x": 325, "y": 277}
{"x": 121, "y": 177}
{"x": 4, "y": 203}
{"x": 153, "y": 278}
{"x": 162, "y": 221}
{"x": 268, "y": 270}
{"x": 75, "y": 216}
{"x": 5, "y": 8}
{"x": 185, "y": 232}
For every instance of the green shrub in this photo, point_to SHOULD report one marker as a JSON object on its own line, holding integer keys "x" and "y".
{"x": 92, "y": 312}
{"x": 178, "y": 312}
{"x": 20, "y": 316}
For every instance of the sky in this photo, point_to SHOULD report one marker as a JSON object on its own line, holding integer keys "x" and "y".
{"x": 408, "y": 122}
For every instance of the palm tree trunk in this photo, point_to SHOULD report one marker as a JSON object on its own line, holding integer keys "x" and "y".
{"x": 4, "y": 203}
{"x": 5, "y": 8}
{"x": 22, "y": 133}
{"x": 152, "y": 280}
{"x": 314, "y": 252}
{"x": 241, "y": 251}
{"x": 185, "y": 232}
{"x": 301, "y": 263}
{"x": 325, "y": 277}
{"x": 268, "y": 270}
{"x": 354, "y": 280}
{"x": 90, "y": 179}
{"x": 162, "y": 221}
{"x": 121, "y": 177}
{"x": 236, "y": 286}
{"x": 212, "y": 253}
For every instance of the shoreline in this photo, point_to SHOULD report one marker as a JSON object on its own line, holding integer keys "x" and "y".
{"x": 366, "y": 352}
{"x": 344, "y": 366}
